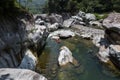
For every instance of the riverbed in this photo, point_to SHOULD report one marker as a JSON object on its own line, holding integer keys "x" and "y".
{"x": 89, "y": 68}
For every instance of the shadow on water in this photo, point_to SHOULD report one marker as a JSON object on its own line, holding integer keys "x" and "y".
{"x": 83, "y": 51}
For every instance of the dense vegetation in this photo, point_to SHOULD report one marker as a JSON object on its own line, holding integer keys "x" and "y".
{"x": 72, "y": 6}
{"x": 9, "y": 7}
{"x": 60, "y": 6}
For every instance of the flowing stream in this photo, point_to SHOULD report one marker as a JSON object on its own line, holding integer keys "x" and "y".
{"x": 84, "y": 51}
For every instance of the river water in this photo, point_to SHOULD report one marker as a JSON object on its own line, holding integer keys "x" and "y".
{"x": 90, "y": 68}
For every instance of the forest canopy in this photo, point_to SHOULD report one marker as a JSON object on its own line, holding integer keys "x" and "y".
{"x": 72, "y": 6}
{"x": 69, "y": 6}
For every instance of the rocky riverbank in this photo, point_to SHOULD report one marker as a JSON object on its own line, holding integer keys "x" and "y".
{"x": 24, "y": 36}
{"x": 86, "y": 26}
{"x": 20, "y": 41}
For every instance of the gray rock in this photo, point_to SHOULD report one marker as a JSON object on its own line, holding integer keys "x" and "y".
{"x": 115, "y": 55}
{"x": 37, "y": 37}
{"x": 81, "y": 14}
{"x": 95, "y": 23}
{"x": 65, "y": 56}
{"x": 67, "y": 23}
{"x": 90, "y": 17}
{"x": 15, "y": 39}
{"x": 76, "y": 22}
{"x": 29, "y": 61}
{"x": 40, "y": 22}
{"x": 89, "y": 33}
{"x": 97, "y": 39}
{"x": 40, "y": 16}
{"x": 12, "y": 38}
{"x": 113, "y": 20}
{"x": 55, "y": 18}
{"x": 77, "y": 18}
{"x": 103, "y": 54}
{"x": 54, "y": 27}
{"x": 19, "y": 74}
{"x": 62, "y": 33}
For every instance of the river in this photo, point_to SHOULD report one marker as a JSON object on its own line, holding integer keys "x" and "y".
{"x": 90, "y": 68}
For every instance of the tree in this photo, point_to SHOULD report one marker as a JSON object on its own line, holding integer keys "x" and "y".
{"x": 73, "y": 6}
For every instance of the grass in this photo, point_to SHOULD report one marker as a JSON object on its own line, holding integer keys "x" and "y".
{"x": 101, "y": 16}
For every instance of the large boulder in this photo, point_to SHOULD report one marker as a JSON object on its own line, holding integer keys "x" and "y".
{"x": 19, "y": 74}
{"x": 29, "y": 61}
{"x": 54, "y": 27}
{"x": 37, "y": 37}
{"x": 18, "y": 33}
{"x": 97, "y": 40}
{"x": 113, "y": 20}
{"x": 55, "y": 18}
{"x": 114, "y": 51}
{"x": 68, "y": 23}
{"x": 12, "y": 41}
{"x": 89, "y": 33}
{"x": 65, "y": 56}
{"x": 103, "y": 54}
{"x": 62, "y": 34}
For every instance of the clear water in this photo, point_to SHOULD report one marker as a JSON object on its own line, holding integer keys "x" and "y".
{"x": 84, "y": 52}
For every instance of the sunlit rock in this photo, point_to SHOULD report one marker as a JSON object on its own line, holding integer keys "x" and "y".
{"x": 53, "y": 27}
{"x": 55, "y": 37}
{"x": 115, "y": 55}
{"x": 19, "y": 74}
{"x": 77, "y": 18}
{"x": 113, "y": 20}
{"x": 90, "y": 16}
{"x": 97, "y": 40}
{"x": 65, "y": 56}
{"x": 87, "y": 36}
{"x": 68, "y": 23}
{"x": 95, "y": 23}
{"x": 103, "y": 54}
{"x": 37, "y": 36}
{"x": 63, "y": 34}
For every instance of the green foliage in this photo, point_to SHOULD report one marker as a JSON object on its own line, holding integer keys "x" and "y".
{"x": 72, "y": 6}
{"x": 101, "y": 16}
{"x": 11, "y": 8}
